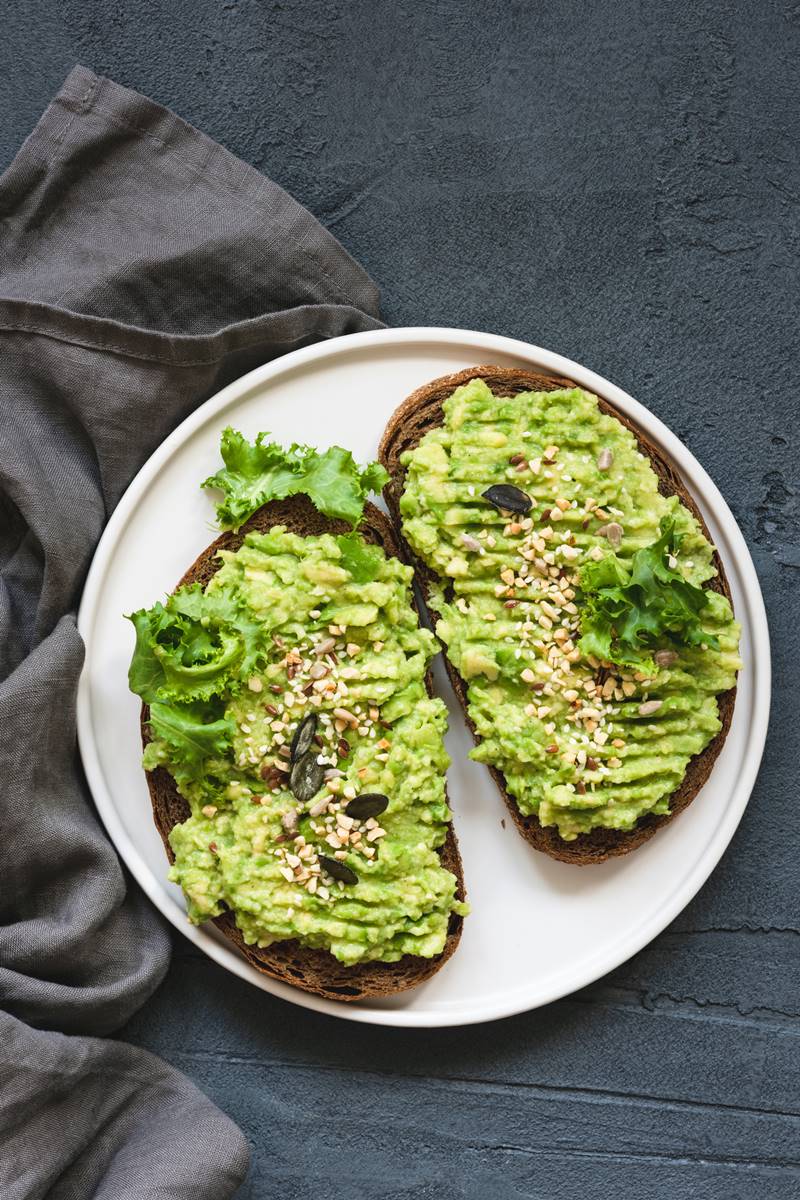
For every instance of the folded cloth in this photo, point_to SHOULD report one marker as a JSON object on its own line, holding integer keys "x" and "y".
{"x": 143, "y": 267}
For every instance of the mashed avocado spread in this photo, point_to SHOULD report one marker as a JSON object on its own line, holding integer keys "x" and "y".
{"x": 592, "y": 654}
{"x": 288, "y": 701}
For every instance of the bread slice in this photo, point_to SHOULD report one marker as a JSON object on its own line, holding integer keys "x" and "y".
{"x": 288, "y": 961}
{"x": 421, "y": 412}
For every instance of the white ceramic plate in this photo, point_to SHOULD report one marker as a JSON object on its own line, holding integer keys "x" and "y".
{"x": 539, "y": 929}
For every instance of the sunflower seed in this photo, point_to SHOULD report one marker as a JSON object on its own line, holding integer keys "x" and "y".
{"x": 612, "y": 531}
{"x": 649, "y": 707}
{"x": 319, "y": 807}
{"x": 605, "y": 460}
{"x": 508, "y": 498}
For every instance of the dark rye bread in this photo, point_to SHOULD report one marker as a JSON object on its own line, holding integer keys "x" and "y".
{"x": 421, "y": 412}
{"x": 288, "y": 961}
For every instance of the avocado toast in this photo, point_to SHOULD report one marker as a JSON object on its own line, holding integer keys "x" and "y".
{"x": 586, "y": 617}
{"x": 317, "y": 835}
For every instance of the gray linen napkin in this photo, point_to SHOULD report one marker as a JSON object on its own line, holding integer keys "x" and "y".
{"x": 143, "y": 267}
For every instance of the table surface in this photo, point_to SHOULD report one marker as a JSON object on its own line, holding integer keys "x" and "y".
{"x": 618, "y": 182}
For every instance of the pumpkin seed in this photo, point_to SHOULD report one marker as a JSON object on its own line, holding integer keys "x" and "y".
{"x": 306, "y": 778}
{"x": 304, "y": 736}
{"x": 370, "y": 804}
{"x": 338, "y": 870}
{"x": 507, "y": 497}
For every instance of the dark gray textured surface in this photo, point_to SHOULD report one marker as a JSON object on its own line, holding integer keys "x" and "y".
{"x": 618, "y": 182}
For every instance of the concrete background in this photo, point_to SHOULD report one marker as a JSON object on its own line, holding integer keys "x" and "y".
{"x": 617, "y": 181}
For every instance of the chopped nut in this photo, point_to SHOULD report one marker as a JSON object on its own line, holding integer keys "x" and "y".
{"x": 613, "y": 532}
{"x": 289, "y": 821}
{"x": 665, "y": 658}
{"x": 605, "y": 459}
{"x": 209, "y": 810}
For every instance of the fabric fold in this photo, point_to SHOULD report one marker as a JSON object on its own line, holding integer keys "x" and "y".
{"x": 144, "y": 267}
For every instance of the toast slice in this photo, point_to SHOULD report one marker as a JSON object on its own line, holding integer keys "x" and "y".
{"x": 289, "y": 962}
{"x": 421, "y": 412}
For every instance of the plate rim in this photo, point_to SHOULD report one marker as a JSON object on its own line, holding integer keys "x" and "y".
{"x": 736, "y": 550}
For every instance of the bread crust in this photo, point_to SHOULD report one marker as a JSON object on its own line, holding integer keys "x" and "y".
{"x": 416, "y": 416}
{"x": 314, "y": 971}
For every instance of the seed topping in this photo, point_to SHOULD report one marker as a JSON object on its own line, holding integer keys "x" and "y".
{"x": 507, "y": 498}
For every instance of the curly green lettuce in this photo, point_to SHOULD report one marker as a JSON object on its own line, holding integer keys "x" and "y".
{"x": 191, "y": 653}
{"x": 256, "y": 472}
{"x": 193, "y": 647}
{"x": 628, "y": 612}
{"x": 187, "y": 736}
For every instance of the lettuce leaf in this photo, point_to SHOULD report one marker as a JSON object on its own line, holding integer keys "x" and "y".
{"x": 191, "y": 734}
{"x": 256, "y": 472}
{"x": 195, "y": 646}
{"x": 628, "y": 612}
{"x": 359, "y": 558}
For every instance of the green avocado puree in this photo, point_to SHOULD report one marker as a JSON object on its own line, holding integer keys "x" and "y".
{"x": 324, "y": 626}
{"x": 582, "y": 744}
